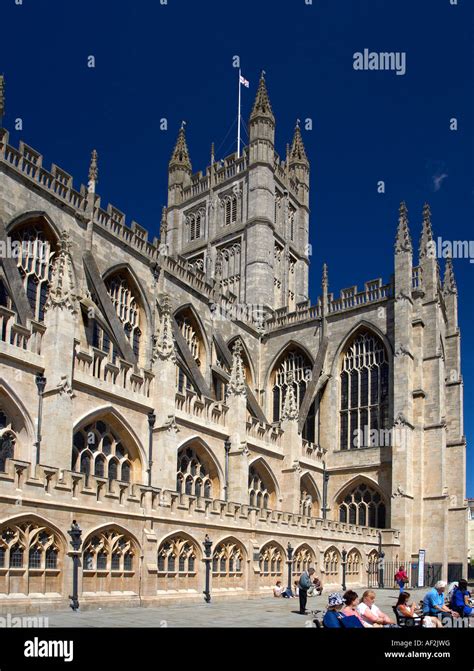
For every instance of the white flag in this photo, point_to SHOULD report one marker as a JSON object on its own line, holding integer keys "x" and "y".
{"x": 244, "y": 81}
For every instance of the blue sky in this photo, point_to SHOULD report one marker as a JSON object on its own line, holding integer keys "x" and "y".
{"x": 174, "y": 61}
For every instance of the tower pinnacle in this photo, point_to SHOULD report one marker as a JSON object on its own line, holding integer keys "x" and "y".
{"x": 180, "y": 156}
{"x": 427, "y": 231}
{"x": 403, "y": 239}
{"x": 262, "y": 106}
{"x": 297, "y": 152}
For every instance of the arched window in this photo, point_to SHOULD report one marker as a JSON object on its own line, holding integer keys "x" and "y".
{"x": 271, "y": 560}
{"x": 303, "y": 559}
{"x": 127, "y": 307}
{"x": 364, "y": 394}
{"x": 229, "y": 204}
{"x": 227, "y": 560}
{"x": 195, "y": 224}
{"x": 363, "y": 506}
{"x": 230, "y": 256}
{"x": 296, "y": 365}
{"x": 109, "y": 558}
{"x": 308, "y": 497}
{"x": 177, "y": 555}
{"x": 7, "y": 441}
{"x": 191, "y": 332}
{"x": 331, "y": 561}
{"x": 259, "y": 491}
{"x": 34, "y": 264}
{"x": 29, "y": 546}
{"x": 98, "y": 449}
{"x": 354, "y": 563}
{"x": 194, "y": 472}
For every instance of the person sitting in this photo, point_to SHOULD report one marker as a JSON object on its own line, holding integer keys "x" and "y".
{"x": 316, "y": 588}
{"x": 370, "y": 612}
{"x": 334, "y": 618}
{"x": 461, "y": 600}
{"x": 433, "y": 601}
{"x": 401, "y": 578}
{"x": 411, "y": 611}
{"x": 351, "y": 600}
{"x": 278, "y": 589}
{"x": 296, "y": 589}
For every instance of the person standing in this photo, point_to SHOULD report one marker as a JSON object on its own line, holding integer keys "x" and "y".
{"x": 303, "y": 587}
{"x": 401, "y": 578}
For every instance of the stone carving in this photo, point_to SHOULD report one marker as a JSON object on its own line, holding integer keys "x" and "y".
{"x": 237, "y": 384}
{"x": 290, "y": 407}
{"x": 63, "y": 292}
{"x": 64, "y": 387}
{"x": 163, "y": 341}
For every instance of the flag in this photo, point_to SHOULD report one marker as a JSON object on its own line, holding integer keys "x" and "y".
{"x": 244, "y": 81}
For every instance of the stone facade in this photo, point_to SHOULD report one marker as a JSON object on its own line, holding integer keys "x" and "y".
{"x": 158, "y": 391}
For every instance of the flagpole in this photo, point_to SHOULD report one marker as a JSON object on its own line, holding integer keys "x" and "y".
{"x": 238, "y": 123}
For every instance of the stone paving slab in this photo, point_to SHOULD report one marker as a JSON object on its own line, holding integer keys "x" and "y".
{"x": 264, "y": 612}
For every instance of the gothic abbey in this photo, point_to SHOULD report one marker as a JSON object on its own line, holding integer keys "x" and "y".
{"x": 161, "y": 391}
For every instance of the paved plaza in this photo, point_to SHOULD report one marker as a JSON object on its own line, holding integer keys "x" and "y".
{"x": 264, "y": 612}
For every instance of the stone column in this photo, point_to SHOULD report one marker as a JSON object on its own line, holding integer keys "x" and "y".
{"x": 165, "y": 433}
{"x": 291, "y": 471}
{"x": 61, "y": 319}
{"x": 237, "y": 489}
{"x": 403, "y": 364}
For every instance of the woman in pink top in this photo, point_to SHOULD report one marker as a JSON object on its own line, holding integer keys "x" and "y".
{"x": 352, "y": 601}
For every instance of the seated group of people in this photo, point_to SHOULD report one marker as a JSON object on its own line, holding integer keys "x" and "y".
{"x": 315, "y": 589}
{"x": 348, "y": 611}
{"x": 459, "y": 600}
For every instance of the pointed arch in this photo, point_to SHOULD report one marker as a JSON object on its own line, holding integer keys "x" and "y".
{"x": 178, "y": 557}
{"x": 332, "y": 563}
{"x": 232, "y": 539}
{"x": 127, "y": 268}
{"x": 38, "y": 239}
{"x": 188, "y": 311}
{"x": 184, "y": 535}
{"x": 29, "y": 216}
{"x": 272, "y": 560}
{"x": 291, "y": 344}
{"x": 362, "y": 326}
{"x": 36, "y": 519}
{"x": 11, "y": 397}
{"x": 212, "y": 469}
{"x": 310, "y": 498}
{"x": 132, "y": 308}
{"x": 264, "y": 490}
{"x": 353, "y": 482}
{"x": 229, "y": 563}
{"x": 113, "y": 526}
{"x": 362, "y": 502}
{"x": 304, "y": 557}
{"x": 130, "y": 447}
